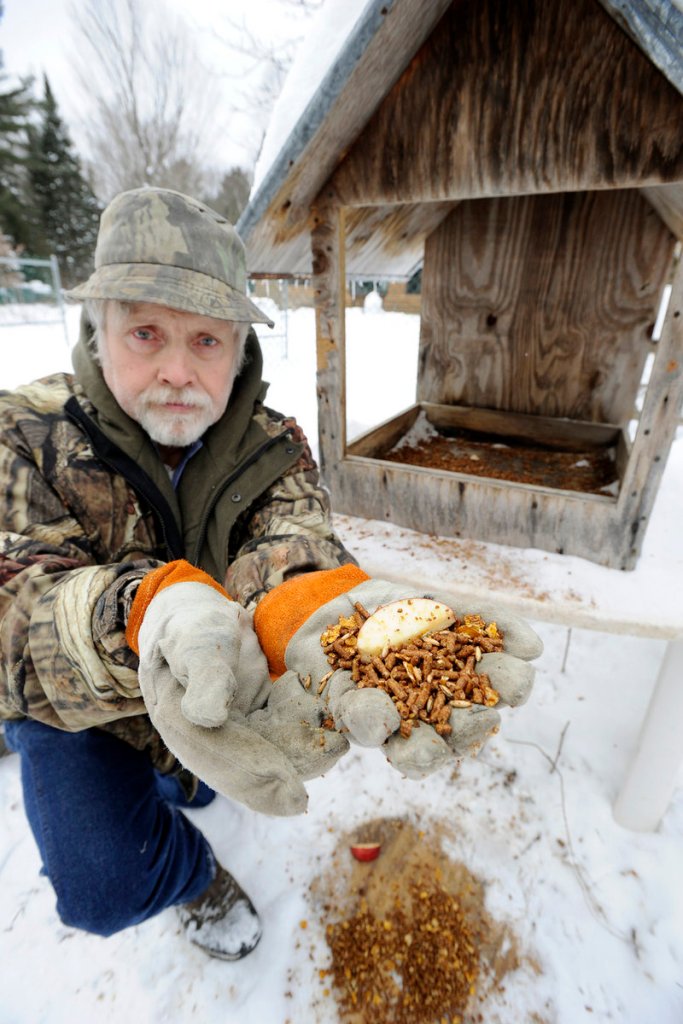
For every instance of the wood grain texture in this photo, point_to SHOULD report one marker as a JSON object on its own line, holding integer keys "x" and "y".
{"x": 606, "y": 530}
{"x": 513, "y": 98}
{"x": 456, "y": 505}
{"x": 542, "y": 304}
{"x": 657, "y": 28}
{"x": 328, "y": 286}
{"x": 668, "y": 202}
{"x": 380, "y": 439}
{"x": 390, "y": 239}
{"x": 551, "y": 432}
{"x": 657, "y": 424}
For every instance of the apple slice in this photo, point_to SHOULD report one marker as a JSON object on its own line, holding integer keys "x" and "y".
{"x": 365, "y": 851}
{"x": 395, "y": 625}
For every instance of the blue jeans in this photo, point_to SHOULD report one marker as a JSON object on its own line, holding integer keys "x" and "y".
{"x": 113, "y": 843}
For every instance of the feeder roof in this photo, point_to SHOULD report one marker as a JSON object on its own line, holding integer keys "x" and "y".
{"x": 354, "y": 54}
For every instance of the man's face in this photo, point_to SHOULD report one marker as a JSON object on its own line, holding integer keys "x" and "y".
{"x": 170, "y": 371}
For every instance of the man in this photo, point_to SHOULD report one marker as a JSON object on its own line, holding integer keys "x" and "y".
{"x": 151, "y": 502}
{"x": 159, "y": 447}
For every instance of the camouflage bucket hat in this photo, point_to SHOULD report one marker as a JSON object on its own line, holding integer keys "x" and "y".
{"x": 156, "y": 245}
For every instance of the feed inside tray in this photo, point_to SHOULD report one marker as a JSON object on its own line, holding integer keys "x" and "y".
{"x": 586, "y": 468}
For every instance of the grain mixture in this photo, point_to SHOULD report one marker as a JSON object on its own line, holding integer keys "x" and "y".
{"x": 426, "y": 679}
{"x": 388, "y": 967}
{"x": 586, "y": 470}
{"x": 409, "y": 939}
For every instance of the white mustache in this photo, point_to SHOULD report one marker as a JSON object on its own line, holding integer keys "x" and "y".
{"x": 184, "y": 396}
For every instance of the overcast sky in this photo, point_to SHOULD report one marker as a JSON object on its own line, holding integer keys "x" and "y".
{"x": 38, "y": 36}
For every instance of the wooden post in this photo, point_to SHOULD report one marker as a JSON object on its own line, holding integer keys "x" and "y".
{"x": 327, "y": 240}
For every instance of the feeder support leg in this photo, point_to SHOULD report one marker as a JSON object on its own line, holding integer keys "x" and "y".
{"x": 652, "y": 777}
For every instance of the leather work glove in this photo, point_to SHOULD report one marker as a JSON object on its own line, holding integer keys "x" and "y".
{"x": 201, "y": 673}
{"x": 296, "y": 721}
{"x": 183, "y": 623}
{"x": 290, "y": 620}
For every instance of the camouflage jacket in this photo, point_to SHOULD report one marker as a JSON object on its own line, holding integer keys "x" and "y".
{"x": 88, "y": 509}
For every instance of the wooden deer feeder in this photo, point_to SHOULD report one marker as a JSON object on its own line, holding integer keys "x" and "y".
{"x": 528, "y": 157}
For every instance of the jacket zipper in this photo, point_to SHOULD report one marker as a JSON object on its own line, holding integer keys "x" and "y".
{"x": 222, "y": 487}
{"x": 145, "y": 485}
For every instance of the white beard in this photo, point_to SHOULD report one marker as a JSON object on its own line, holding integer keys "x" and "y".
{"x": 172, "y": 428}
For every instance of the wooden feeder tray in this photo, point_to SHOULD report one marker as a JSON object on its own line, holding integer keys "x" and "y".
{"x": 537, "y": 451}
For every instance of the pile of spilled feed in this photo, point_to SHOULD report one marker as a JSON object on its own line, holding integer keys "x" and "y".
{"x": 408, "y": 938}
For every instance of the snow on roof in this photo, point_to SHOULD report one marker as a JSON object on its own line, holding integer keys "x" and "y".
{"x": 329, "y": 32}
{"x": 353, "y": 55}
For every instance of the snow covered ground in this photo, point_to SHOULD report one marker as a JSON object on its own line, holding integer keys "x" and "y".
{"x": 597, "y": 910}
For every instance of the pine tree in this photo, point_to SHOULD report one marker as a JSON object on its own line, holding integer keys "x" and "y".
{"x": 16, "y": 105}
{"x": 232, "y": 195}
{"x": 66, "y": 204}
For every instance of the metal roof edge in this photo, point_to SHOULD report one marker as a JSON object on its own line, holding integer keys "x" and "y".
{"x": 656, "y": 26}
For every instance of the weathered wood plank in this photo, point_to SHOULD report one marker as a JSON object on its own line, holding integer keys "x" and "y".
{"x": 562, "y": 434}
{"x": 377, "y": 466}
{"x": 514, "y": 98}
{"x": 454, "y": 505}
{"x": 656, "y": 26}
{"x": 378, "y": 49}
{"x": 624, "y": 447}
{"x": 550, "y": 431}
{"x": 327, "y": 241}
{"x": 390, "y": 239}
{"x": 383, "y": 437}
{"x": 543, "y": 304}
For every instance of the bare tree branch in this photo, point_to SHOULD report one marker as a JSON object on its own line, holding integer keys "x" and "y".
{"x": 264, "y": 63}
{"x": 147, "y": 97}
{"x": 150, "y": 106}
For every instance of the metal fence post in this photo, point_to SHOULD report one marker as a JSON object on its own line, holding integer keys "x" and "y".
{"x": 16, "y": 265}
{"x": 56, "y": 277}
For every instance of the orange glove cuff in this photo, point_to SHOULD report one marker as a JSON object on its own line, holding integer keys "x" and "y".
{"x": 156, "y": 581}
{"x": 279, "y": 614}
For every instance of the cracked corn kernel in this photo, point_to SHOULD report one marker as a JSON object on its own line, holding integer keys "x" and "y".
{"x": 399, "y": 973}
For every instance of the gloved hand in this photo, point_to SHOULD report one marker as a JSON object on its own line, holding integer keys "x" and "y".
{"x": 201, "y": 674}
{"x": 370, "y": 715}
{"x": 296, "y": 721}
{"x": 183, "y": 623}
